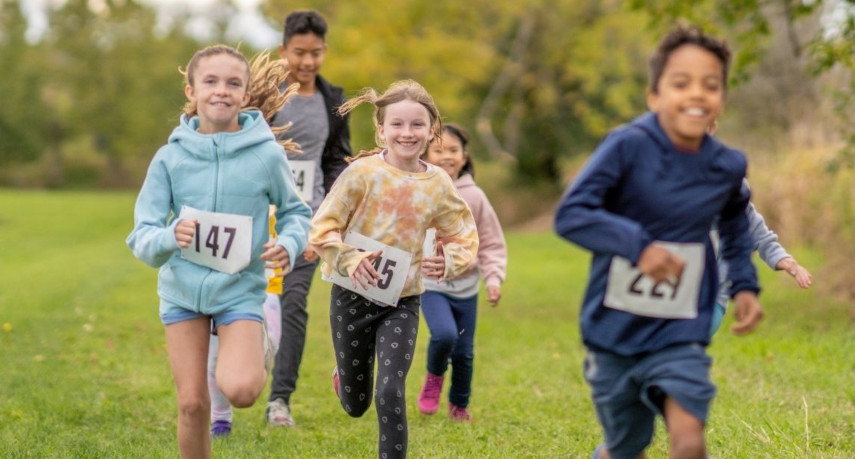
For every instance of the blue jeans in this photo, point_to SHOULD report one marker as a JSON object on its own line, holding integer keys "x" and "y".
{"x": 452, "y": 336}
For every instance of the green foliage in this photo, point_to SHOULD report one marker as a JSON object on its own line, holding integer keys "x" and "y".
{"x": 84, "y": 359}
{"x": 21, "y": 137}
{"x": 563, "y": 91}
{"x": 535, "y": 82}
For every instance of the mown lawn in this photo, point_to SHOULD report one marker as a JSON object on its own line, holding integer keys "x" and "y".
{"x": 84, "y": 371}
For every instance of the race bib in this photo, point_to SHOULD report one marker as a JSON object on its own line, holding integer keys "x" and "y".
{"x": 222, "y": 242}
{"x": 304, "y": 177}
{"x": 393, "y": 265}
{"x": 629, "y": 290}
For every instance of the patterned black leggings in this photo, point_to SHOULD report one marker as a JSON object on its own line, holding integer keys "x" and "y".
{"x": 358, "y": 328}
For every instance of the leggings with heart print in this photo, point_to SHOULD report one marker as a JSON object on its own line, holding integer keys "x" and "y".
{"x": 359, "y": 329}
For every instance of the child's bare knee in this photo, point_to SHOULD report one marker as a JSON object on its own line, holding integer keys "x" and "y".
{"x": 194, "y": 407}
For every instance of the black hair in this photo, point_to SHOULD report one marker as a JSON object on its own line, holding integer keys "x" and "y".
{"x": 463, "y": 136}
{"x": 683, "y": 35}
{"x": 302, "y": 22}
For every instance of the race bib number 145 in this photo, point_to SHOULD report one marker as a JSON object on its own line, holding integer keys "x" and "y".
{"x": 393, "y": 265}
{"x": 629, "y": 290}
{"x": 223, "y": 241}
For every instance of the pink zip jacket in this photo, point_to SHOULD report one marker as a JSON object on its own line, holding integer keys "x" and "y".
{"x": 492, "y": 250}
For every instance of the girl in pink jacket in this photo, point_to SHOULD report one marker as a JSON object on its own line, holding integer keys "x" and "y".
{"x": 450, "y": 307}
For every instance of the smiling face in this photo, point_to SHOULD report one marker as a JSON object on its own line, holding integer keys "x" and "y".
{"x": 305, "y": 54}
{"x": 219, "y": 89}
{"x": 689, "y": 95}
{"x": 450, "y": 155}
{"x": 406, "y": 129}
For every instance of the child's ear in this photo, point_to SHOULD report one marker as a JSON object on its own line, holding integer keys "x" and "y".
{"x": 189, "y": 93}
{"x": 245, "y": 99}
{"x": 652, "y": 101}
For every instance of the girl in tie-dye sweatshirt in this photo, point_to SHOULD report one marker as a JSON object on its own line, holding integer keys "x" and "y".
{"x": 390, "y": 196}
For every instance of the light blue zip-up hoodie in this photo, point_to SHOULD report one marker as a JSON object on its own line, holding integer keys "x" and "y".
{"x": 240, "y": 172}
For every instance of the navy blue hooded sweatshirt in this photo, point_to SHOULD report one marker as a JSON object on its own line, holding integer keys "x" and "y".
{"x": 638, "y": 188}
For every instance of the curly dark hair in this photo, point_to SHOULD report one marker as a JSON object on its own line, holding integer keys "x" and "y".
{"x": 687, "y": 35}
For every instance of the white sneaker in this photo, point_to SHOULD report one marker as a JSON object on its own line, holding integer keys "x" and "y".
{"x": 278, "y": 413}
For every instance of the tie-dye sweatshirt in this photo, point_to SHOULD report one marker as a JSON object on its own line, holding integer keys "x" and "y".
{"x": 394, "y": 207}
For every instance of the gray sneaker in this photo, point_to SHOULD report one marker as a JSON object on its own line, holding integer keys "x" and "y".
{"x": 278, "y": 413}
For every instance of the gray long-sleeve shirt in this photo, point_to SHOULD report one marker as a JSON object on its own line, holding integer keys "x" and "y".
{"x": 765, "y": 244}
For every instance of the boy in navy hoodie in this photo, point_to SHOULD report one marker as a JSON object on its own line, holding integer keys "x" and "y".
{"x": 644, "y": 206}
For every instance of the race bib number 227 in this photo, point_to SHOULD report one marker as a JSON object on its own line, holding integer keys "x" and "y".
{"x": 629, "y": 290}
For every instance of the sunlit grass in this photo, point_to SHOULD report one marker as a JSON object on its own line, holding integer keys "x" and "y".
{"x": 84, "y": 370}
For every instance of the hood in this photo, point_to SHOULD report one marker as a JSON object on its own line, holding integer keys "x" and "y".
{"x": 649, "y": 123}
{"x": 712, "y": 152}
{"x": 464, "y": 181}
{"x": 254, "y": 130}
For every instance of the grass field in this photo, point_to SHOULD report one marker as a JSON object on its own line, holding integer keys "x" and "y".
{"x": 84, "y": 371}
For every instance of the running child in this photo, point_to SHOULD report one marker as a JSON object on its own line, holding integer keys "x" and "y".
{"x": 369, "y": 232}
{"x": 266, "y": 75}
{"x": 324, "y": 138}
{"x": 202, "y": 218}
{"x": 766, "y": 245}
{"x": 644, "y": 206}
{"x": 450, "y": 308}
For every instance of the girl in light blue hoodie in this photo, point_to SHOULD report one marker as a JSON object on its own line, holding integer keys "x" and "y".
{"x": 201, "y": 217}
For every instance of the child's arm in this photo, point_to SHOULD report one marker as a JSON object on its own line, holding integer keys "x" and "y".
{"x": 772, "y": 252}
{"x": 736, "y": 248}
{"x": 582, "y": 218}
{"x": 492, "y": 250}
{"x": 153, "y": 240}
{"x": 457, "y": 235}
{"x": 330, "y": 220}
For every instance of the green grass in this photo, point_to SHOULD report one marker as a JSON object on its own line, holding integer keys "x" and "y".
{"x": 84, "y": 371}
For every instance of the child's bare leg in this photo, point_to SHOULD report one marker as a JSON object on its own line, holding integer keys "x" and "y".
{"x": 240, "y": 363}
{"x": 187, "y": 344}
{"x": 685, "y": 431}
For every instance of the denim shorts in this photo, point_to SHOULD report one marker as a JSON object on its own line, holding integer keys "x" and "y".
{"x": 225, "y": 317}
{"x": 628, "y": 392}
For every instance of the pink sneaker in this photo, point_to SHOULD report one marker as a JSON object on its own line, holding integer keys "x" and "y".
{"x": 457, "y": 413}
{"x": 335, "y": 382}
{"x": 429, "y": 396}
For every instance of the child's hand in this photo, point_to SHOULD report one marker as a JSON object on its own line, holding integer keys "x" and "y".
{"x": 802, "y": 276}
{"x": 494, "y": 294}
{"x": 310, "y": 254}
{"x": 276, "y": 257}
{"x": 434, "y": 267}
{"x": 185, "y": 231}
{"x": 660, "y": 264}
{"x": 748, "y": 312}
{"x": 365, "y": 273}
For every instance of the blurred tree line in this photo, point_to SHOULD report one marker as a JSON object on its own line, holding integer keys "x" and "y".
{"x": 536, "y": 82}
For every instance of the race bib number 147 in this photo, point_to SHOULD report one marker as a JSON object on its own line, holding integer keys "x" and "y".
{"x": 222, "y": 242}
